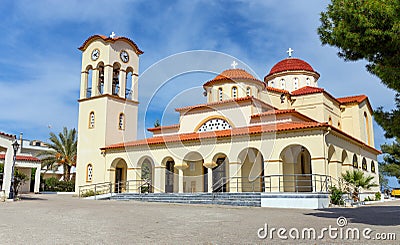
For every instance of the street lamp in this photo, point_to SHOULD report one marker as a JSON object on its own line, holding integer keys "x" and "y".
{"x": 15, "y": 146}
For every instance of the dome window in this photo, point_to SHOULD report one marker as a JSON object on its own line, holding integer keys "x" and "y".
{"x": 296, "y": 83}
{"x": 248, "y": 91}
{"x": 282, "y": 83}
{"x": 220, "y": 94}
{"x": 234, "y": 92}
{"x": 308, "y": 82}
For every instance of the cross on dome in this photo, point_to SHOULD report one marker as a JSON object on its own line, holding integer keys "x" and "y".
{"x": 112, "y": 35}
{"x": 290, "y": 51}
{"x": 234, "y": 64}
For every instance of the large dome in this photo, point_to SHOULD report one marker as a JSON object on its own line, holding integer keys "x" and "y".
{"x": 290, "y": 64}
{"x": 232, "y": 74}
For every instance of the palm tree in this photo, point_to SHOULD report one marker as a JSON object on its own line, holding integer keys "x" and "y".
{"x": 357, "y": 179}
{"x": 62, "y": 152}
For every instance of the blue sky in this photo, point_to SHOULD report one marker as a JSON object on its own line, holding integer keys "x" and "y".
{"x": 40, "y": 62}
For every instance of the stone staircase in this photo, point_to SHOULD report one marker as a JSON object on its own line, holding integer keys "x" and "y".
{"x": 232, "y": 199}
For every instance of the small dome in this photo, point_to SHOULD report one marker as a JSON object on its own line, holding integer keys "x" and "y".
{"x": 232, "y": 74}
{"x": 290, "y": 64}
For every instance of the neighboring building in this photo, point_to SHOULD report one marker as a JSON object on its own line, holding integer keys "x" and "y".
{"x": 25, "y": 163}
{"x": 33, "y": 148}
{"x": 283, "y": 134}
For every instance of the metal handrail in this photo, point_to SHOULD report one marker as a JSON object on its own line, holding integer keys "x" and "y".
{"x": 278, "y": 183}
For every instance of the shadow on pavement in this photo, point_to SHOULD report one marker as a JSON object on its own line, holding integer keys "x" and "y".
{"x": 32, "y": 198}
{"x": 371, "y": 215}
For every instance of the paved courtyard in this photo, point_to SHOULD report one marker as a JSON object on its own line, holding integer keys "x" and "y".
{"x": 63, "y": 219}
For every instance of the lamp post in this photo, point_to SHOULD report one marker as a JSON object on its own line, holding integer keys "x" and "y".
{"x": 15, "y": 146}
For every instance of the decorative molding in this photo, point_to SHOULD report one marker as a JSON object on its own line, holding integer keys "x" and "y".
{"x": 210, "y": 164}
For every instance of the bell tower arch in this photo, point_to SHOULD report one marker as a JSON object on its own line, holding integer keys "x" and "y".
{"x": 108, "y": 89}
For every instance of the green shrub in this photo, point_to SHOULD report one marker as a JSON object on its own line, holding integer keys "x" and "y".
{"x": 53, "y": 184}
{"x": 336, "y": 195}
{"x": 378, "y": 196}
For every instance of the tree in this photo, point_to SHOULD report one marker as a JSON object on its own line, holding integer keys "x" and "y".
{"x": 357, "y": 179}
{"x": 366, "y": 29}
{"x": 370, "y": 30}
{"x": 63, "y": 150}
{"x": 391, "y": 164}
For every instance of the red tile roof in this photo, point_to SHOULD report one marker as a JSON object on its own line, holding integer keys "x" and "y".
{"x": 352, "y": 99}
{"x": 233, "y": 74}
{"x": 22, "y": 158}
{"x": 112, "y": 40}
{"x": 212, "y": 104}
{"x": 163, "y": 127}
{"x": 7, "y": 135}
{"x": 257, "y": 129}
{"x": 307, "y": 90}
{"x": 281, "y": 91}
{"x": 281, "y": 112}
{"x": 290, "y": 64}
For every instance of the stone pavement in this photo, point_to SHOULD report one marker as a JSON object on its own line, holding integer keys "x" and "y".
{"x": 63, "y": 219}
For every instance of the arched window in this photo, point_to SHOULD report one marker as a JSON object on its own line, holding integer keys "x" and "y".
{"x": 89, "y": 172}
{"x": 296, "y": 83}
{"x": 308, "y": 81}
{"x": 372, "y": 167}
{"x": 367, "y": 133}
{"x": 248, "y": 90}
{"x": 282, "y": 83}
{"x": 214, "y": 124}
{"x": 88, "y": 82}
{"x": 271, "y": 84}
{"x": 91, "y": 119}
{"x": 115, "y": 81}
{"x": 220, "y": 94}
{"x": 121, "y": 121}
{"x": 234, "y": 92}
{"x": 330, "y": 120}
{"x": 129, "y": 84}
{"x": 355, "y": 161}
{"x": 100, "y": 84}
{"x": 364, "y": 164}
{"x": 339, "y": 125}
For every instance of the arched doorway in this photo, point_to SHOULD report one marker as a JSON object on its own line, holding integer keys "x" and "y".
{"x": 194, "y": 180}
{"x": 297, "y": 174}
{"x": 169, "y": 164}
{"x": 219, "y": 173}
{"x": 146, "y": 175}
{"x": 252, "y": 170}
{"x": 119, "y": 174}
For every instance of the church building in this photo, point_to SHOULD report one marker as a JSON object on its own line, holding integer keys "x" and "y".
{"x": 284, "y": 134}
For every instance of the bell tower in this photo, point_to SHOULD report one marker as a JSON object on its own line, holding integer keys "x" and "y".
{"x": 108, "y": 102}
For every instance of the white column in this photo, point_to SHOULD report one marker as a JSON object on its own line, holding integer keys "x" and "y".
{"x": 180, "y": 190}
{"x": 37, "y": 179}
{"x": 122, "y": 83}
{"x": 135, "y": 87}
{"x": 159, "y": 179}
{"x": 210, "y": 180}
{"x": 95, "y": 80}
{"x": 84, "y": 84}
{"x": 108, "y": 77}
{"x": 234, "y": 171}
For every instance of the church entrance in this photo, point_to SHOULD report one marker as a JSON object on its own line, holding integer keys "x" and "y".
{"x": 118, "y": 180}
{"x": 169, "y": 176}
{"x": 218, "y": 176}
{"x": 119, "y": 174}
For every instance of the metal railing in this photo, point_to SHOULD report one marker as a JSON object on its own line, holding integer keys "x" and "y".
{"x": 129, "y": 186}
{"x": 275, "y": 183}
